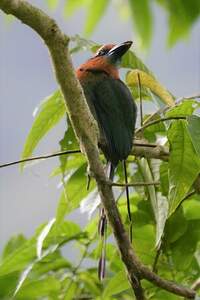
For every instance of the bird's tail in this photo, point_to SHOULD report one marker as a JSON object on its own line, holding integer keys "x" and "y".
{"x": 102, "y": 229}
{"x": 111, "y": 171}
{"x": 128, "y": 200}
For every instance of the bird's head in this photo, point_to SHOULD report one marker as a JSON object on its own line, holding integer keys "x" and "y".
{"x": 112, "y": 53}
{"x": 106, "y": 59}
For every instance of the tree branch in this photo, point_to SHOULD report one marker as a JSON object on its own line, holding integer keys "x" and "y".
{"x": 169, "y": 286}
{"x": 86, "y": 130}
{"x": 157, "y": 152}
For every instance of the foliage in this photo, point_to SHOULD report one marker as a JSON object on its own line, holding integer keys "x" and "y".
{"x": 164, "y": 216}
{"x": 181, "y": 14}
{"x": 50, "y": 112}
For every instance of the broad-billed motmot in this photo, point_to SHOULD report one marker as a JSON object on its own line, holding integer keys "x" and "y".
{"x": 114, "y": 109}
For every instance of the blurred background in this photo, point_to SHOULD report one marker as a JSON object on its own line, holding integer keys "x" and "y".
{"x": 30, "y": 198}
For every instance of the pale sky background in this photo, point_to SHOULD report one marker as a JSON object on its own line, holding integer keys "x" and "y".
{"x": 28, "y": 199}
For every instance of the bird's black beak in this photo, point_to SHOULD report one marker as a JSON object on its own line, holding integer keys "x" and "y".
{"x": 118, "y": 51}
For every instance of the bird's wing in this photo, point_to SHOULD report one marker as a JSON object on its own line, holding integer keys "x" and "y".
{"x": 116, "y": 116}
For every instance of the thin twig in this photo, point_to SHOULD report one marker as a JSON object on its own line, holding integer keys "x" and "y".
{"x": 158, "y": 121}
{"x": 59, "y": 153}
{"x": 135, "y": 183}
{"x": 144, "y": 144}
{"x": 167, "y": 107}
{"x": 45, "y": 156}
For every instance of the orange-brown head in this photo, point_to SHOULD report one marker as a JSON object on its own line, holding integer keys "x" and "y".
{"x": 106, "y": 59}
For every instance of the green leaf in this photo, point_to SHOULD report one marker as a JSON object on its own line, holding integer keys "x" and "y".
{"x": 142, "y": 18}
{"x": 158, "y": 202}
{"x": 185, "y": 108}
{"x": 68, "y": 142}
{"x": 148, "y": 177}
{"x": 151, "y": 89}
{"x": 146, "y": 93}
{"x": 164, "y": 178}
{"x": 19, "y": 259}
{"x": 117, "y": 284}
{"x": 74, "y": 191}
{"x": 73, "y": 162}
{"x": 176, "y": 226}
{"x": 91, "y": 282}
{"x": 26, "y": 254}
{"x": 91, "y": 227}
{"x": 14, "y": 243}
{"x": 61, "y": 233}
{"x": 162, "y": 205}
{"x": 183, "y": 249}
{"x": 161, "y": 294}
{"x": 50, "y": 241}
{"x": 7, "y": 285}
{"x": 39, "y": 288}
{"x": 191, "y": 208}
{"x": 182, "y": 15}
{"x": 96, "y": 9}
{"x": 150, "y": 82}
{"x": 50, "y": 263}
{"x": 144, "y": 242}
{"x": 141, "y": 217}
{"x": 71, "y": 291}
{"x": 194, "y": 130}
{"x": 184, "y": 164}
{"x": 132, "y": 61}
{"x": 82, "y": 44}
{"x": 151, "y": 133}
{"x": 23, "y": 277}
{"x": 51, "y": 110}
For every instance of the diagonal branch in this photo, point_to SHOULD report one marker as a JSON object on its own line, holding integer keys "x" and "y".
{"x": 86, "y": 130}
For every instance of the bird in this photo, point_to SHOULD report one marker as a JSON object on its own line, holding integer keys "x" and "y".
{"x": 112, "y": 105}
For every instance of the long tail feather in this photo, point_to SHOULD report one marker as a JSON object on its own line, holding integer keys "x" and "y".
{"x": 102, "y": 230}
{"x": 128, "y": 200}
{"x": 112, "y": 172}
{"x": 88, "y": 182}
